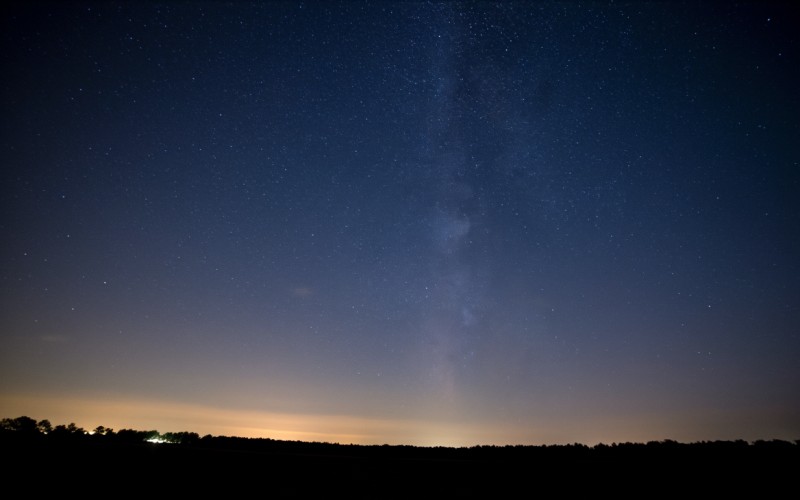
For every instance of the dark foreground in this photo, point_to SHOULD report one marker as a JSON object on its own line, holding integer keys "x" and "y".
{"x": 99, "y": 466}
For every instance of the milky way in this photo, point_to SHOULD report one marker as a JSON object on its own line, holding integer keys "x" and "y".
{"x": 422, "y": 223}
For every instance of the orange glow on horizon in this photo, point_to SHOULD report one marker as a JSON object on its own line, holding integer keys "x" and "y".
{"x": 143, "y": 414}
{"x": 165, "y": 416}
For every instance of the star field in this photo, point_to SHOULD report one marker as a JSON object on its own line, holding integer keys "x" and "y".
{"x": 418, "y": 223}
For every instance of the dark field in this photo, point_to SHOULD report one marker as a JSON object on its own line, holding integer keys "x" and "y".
{"x": 96, "y": 465}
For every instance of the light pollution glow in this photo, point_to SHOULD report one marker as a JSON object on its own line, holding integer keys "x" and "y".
{"x": 145, "y": 414}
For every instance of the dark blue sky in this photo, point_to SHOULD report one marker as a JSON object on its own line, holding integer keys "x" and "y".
{"x": 422, "y": 223}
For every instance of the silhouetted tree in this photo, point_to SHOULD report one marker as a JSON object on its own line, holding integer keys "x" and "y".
{"x": 148, "y": 435}
{"x": 71, "y": 431}
{"x": 74, "y": 429}
{"x": 134, "y": 436}
{"x": 182, "y": 437}
{"x": 23, "y": 425}
{"x": 102, "y": 431}
{"x": 6, "y": 425}
{"x": 44, "y": 426}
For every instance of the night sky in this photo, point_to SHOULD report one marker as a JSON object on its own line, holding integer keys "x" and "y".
{"x": 406, "y": 223}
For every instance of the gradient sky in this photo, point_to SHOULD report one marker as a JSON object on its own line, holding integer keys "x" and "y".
{"x": 417, "y": 223}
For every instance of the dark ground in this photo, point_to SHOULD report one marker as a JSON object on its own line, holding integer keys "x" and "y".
{"x": 99, "y": 466}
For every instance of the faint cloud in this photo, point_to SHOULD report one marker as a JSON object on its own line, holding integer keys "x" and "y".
{"x": 467, "y": 316}
{"x": 449, "y": 230}
{"x": 302, "y": 291}
{"x": 54, "y": 339}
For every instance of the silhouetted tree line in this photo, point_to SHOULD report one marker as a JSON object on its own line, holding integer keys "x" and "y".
{"x": 183, "y": 463}
{"x": 27, "y": 428}
{"x": 24, "y": 427}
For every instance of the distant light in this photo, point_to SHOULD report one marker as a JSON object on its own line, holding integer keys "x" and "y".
{"x": 157, "y": 440}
